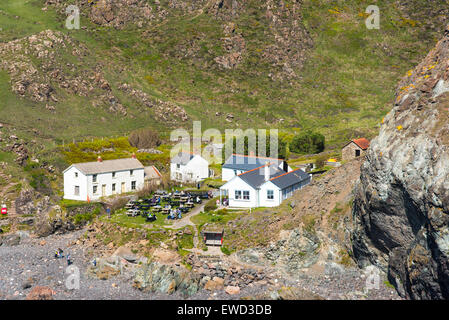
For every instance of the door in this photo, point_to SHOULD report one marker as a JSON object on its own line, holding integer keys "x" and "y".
{"x": 103, "y": 190}
{"x": 123, "y": 187}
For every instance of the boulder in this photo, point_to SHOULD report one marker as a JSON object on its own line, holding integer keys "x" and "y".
{"x": 125, "y": 253}
{"x": 215, "y": 284}
{"x": 232, "y": 290}
{"x": 41, "y": 293}
{"x": 156, "y": 277}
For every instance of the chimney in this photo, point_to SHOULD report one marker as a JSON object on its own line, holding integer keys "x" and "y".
{"x": 99, "y": 159}
{"x": 134, "y": 156}
{"x": 267, "y": 172}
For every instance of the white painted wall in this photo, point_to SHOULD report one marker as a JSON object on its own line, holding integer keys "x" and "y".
{"x": 237, "y": 183}
{"x": 86, "y": 184}
{"x": 198, "y": 167}
{"x": 227, "y": 174}
{"x": 263, "y": 199}
{"x": 70, "y": 181}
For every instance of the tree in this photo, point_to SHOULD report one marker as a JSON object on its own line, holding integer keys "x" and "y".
{"x": 308, "y": 142}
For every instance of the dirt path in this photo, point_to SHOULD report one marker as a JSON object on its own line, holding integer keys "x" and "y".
{"x": 187, "y": 222}
{"x": 4, "y": 192}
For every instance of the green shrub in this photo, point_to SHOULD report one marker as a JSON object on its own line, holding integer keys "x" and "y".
{"x": 307, "y": 142}
{"x": 225, "y": 250}
{"x": 211, "y": 205}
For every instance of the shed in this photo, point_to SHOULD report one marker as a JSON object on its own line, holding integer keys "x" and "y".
{"x": 354, "y": 149}
{"x": 213, "y": 236}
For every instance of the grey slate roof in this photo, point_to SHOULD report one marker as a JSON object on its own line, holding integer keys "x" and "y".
{"x": 246, "y": 163}
{"x": 256, "y": 177}
{"x": 289, "y": 179}
{"x": 152, "y": 172}
{"x": 106, "y": 166}
{"x": 182, "y": 158}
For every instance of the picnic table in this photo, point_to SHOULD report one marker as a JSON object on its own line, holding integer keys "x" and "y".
{"x": 184, "y": 199}
{"x": 157, "y": 208}
{"x": 166, "y": 210}
{"x": 133, "y": 212}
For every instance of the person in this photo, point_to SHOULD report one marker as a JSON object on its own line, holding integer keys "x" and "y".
{"x": 59, "y": 253}
{"x": 69, "y": 261}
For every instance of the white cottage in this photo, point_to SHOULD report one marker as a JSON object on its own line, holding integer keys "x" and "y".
{"x": 93, "y": 180}
{"x": 265, "y": 186}
{"x": 186, "y": 167}
{"x": 238, "y": 163}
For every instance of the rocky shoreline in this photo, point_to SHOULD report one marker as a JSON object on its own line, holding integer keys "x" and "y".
{"x": 31, "y": 271}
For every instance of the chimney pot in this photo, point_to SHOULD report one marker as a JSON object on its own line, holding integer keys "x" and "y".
{"x": 267, "y": 172}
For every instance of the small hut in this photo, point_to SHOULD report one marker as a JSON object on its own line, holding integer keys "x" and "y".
{"x": 213, "y": 236}
{"x": 354, "y": 149}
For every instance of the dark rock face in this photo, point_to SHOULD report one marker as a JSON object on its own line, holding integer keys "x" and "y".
{"x": 401, "y": 207}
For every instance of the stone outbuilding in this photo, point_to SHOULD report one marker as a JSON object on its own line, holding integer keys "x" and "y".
{"x": 354, "y": 149}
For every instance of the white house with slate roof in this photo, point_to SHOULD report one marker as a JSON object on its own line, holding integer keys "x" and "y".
{"x": 237, "y": 164}
{"x": 93, "y": 180}
{"x": 188, "y": 167}
{"x": 265, "y": 186}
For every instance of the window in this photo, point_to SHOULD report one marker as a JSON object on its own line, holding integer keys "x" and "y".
{"x": 133, "y": 185}
{"x": 113, "y": 175}
{"x": 131, "y": 172}
{"x": 76, "y": 174}
{"x": 113, "y": 187}
{"x": 238, "y": 194}
{"x": 94, "y": 178}
{"x": 357, "y": 153}
{"x": 245, "y": 195}
{"x": 178, "y": 166}
{"x": 95, "y": 189}
{"x": 270, "y": 194}
{"x": 77, "y": 190}
{"x": 235, "y": 172}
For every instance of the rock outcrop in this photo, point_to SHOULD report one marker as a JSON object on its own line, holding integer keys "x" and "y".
{"x": 156, "y": 277}
{"x": 401, "y": 206}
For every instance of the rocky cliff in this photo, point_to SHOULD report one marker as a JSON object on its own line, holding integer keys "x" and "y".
{"x": 401, "y": 207}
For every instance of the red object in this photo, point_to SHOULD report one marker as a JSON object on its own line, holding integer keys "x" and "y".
{"x": 362, "y": 143}
{"x": 4, "y": 210}
{"x": 221, "y": 240}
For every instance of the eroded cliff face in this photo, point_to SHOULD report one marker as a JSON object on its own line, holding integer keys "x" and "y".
{"x": 401, "y": 206}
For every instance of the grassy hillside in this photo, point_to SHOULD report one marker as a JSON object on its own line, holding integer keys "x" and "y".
{"x": 314, "y": 66}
